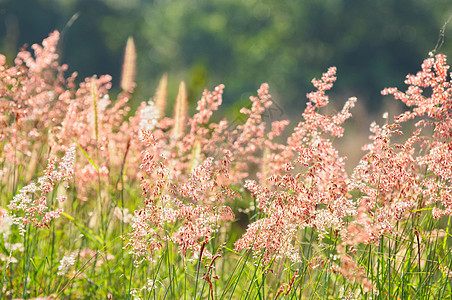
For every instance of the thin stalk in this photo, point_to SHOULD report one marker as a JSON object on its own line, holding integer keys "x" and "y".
{"x": 130, "y": 280}
{"x": 306, "y": 265}
{"x": 252, "y": 281}
{"x": 199, "y": 267}
{"x": 389, "y": 267}
{"x": 229, "y": 280}
{"x": 419, "y": 255}
{"x": 52, "y": 251}
{"x": 185, "y": 280}
{"x": 448, "y": 280}
{"x": 245, "y": 259}
{"x": 25, "y": 262}
{"x": 447, "y": 233}
{"x": 157, "y": 271}
{"x": 379, "y": 287}
{"x": 77, "y": 262}
{"x": 174, "y": 282}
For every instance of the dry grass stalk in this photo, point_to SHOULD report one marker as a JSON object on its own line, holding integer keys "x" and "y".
{"x": 180, "y": 111}
{"x": 129, "y": 66}
{"x": 161, "y": 94}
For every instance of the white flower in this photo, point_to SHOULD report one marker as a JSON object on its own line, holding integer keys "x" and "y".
{"x": 149, "y": 116}
{"x": 65, "y": 263}
{"x": 5, "y": 223}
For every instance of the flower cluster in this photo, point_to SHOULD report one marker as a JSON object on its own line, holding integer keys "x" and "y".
{"x": 389, "y": 175}
{"x": 40, "y": 108}
{"x": 34, "y": 203}
{"x": 192, "y": 171}
{"x": 194, "y": 207}
{"x": 307, "y": 186}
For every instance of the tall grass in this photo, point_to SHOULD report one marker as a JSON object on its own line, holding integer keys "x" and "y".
{"x": 97, "y": 201}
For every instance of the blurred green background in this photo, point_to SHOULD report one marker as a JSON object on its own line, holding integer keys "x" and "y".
{"x": 239, "y": 43}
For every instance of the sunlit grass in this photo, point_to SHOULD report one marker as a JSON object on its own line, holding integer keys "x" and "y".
{"x": 98, "y": 202}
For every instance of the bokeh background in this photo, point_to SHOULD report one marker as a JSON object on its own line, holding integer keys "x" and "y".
{"x": 242, "y": 43}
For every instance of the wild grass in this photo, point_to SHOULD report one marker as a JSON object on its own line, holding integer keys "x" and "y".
{"x": 97, "y": 201}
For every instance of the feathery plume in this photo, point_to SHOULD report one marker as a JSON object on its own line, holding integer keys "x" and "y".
{"x": 160, "y": 95}
{"x": 128, "y": 67}
{"x": 180, "y": 111}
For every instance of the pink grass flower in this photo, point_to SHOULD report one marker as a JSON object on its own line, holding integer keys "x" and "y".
{"x": 307, "y": 186}
{"x": 194, "y": 206}
{"x": 31, "y": 205}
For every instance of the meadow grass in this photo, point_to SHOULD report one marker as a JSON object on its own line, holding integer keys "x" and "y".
{"x": 100, "y": 202}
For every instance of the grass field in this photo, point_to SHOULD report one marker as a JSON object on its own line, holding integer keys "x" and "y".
{"x": 101, "y": 202}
